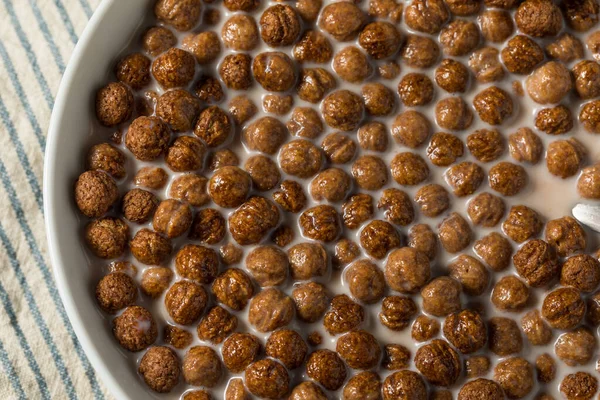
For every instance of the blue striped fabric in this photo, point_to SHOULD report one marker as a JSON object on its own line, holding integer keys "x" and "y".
{"x": 40, "y": 357}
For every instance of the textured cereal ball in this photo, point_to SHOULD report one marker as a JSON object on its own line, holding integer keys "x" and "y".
{"x": 235, "y": 390}
{"x": 590, "y": 116}
{"x": 274, "y": 71}
{"x": 424, "y": 328}
{"x": 181, "y": 15}
{"x": 537, "y": 263}
{"x": 419, "y": 51}
{"x": 565, "y": 48}
{"x": 522, "y": 223}
{"x": 485, "y": 65}
{"x": 253, "y": 220}
{"x": 288, "y": 347}
{"x": 314, "y": 83}
{"x": 197, "y": 263}
{"x": 362, "y": 386}
{"x": 114, "y": 104}
{"x": 452, "y": 76}
{"x": 432, "y": 200}
{"x": 174, "y": 68}
{"x": 388, "y": 69}
{"x": 588, "y": 184}
{"x": 552, "y": 71}
{"x": 266, "y": 135}
{"x": 327, "y": 368}
{"x": 338, "y": 148}
{"x": 209, "y": 90}
{"x": 453, "y": 113}
{"x": 267, "y": 379}
{"x": 397, "y": 312}
{"x": 342, "y": 20}
{"x": 149, "y": 247}
{"x": 331, "y": 184}
{"x": 320, "y": 223}
{"x": 231, "y": 254}
{"x": 510, "y": 294}
{"x": 459, "y": 38}
{"x": 359, "y": 349}
{"x": 300, "y": 158}
{"x": 233, "y": 288}
{"x": 380, "y": 39}
{"x": 566, "y": 235}
{"x": 208, "y": 226}
{"x": 426, "y": 16}
{"x": 222, "y": 158}
{"x": 379, "y": 100}
{"x": 135, "y": 329}
{"x": 411, "y": 129}
{"x": 409, "y": 169}
{"x": 134, "y": 70}
{"x": 444, "y": 148}
{"x": 365, "y": 281}
{"x": 554, "y": 120}
{"x": 521, "y": 55}
{"x": 463, "y": 7}
{"x": 397, "y": 207}
{"x": 481, "y": 389}
{"x": 493, "y": 105}
{"x": 202, "y": 367}
{"x": 581, "y": 272}
{"x": 564, "y": 157}
{"x": 159, "y": 368}
{"x": 404, "y": 384}
{"x": 538, "y": 18}
{"x": 415, "y": 89}
{"x": 307, "y": 391}
{"x": 268, "y": 265}
{"x": 106, "y": 158}
{"x": 270, "y": 309}
{"x": 343, "y": 316}
{"x": 580, "y": 385}
{"x": 507, "y": 178}
{"x": 205, "y": 46}
{"x": 185, "y": 302}
{"x": 423, "y": 239}
{"x": 370, "y": 172}
{"x": 496, "y": 25}
{"x": 466, "y": 331}
{"x": 378, "y": 237}
{"x": 263, "y": 171}
{"x": 307, "y": 260}
{"x": 495, "y": 250}
{"x": 213, "y": 126}
{"x": 240, "y": 350}
{"x": 240, "y": 33}
{"x": 477, "y": 366}
{"x": 280, "y": 25}
{"x": 172, "y": 218}
{"x": 441, "y": 296}
{"x": 179, "y": 109}
{"x": 241, "y": 5}
{"x": 313, "y": 46}
{"x": 95, "y": 193}
{"x": 343, "y": 110}
{"x": 190, "y": 188}
{"x": 563, "y": 308}
{"x": 515, "y": 376}
{"x": 290, "y": 196}
{"x": 525, "y": 146}
{"x": 587, "y": 79}
{"x": 581, "y": 15}
{"x": 486, "y": 210}
{"x": 576, "y": 347}
{"x": 107, "y": 237}
{"x": 185, "y": 154}
{"x": 373, "y": 136}
{"x": 485, "y": 144}
{"x": 305, "y": 122}
{"x": 235, "y": 71}
{"x": 504, "y": 336}
{"x": 471, "y": 273}
{"x": 455, "y": 233}
{"x": 438, "y": 362}
{"x": 155, "y": 281}
{"x": 229, "y": 186}
{"x": 535, "y": 329}
{"x": 115, "y": 291}
{"x": 139, "y": 205}
{"x": 147, "y": 138}
{"x": 311, "y": 300}
{"x": 216, "y": 325}
{"x": 157, "y": 40}
{"x": 358, "y": 209}
{"x": 464, "y": 178}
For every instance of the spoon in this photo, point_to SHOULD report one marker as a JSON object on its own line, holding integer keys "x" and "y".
{"x": 588, "y": 215}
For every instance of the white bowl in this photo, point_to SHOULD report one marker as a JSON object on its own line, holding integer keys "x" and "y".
{"x": 108, "y": 32}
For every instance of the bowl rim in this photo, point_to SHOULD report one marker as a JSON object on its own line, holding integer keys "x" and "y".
{"x": 92, "y": 351}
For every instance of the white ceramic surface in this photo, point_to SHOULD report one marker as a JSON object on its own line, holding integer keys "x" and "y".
{"x": 108, "y": 32}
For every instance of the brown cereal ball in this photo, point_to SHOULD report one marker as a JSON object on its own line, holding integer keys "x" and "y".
{"x": 536, "y": 261}
{"x": 525, "y": 146}
{"x": 380, "y": 39}
{"x": 395, "y": 357}
{"x": 181, "y": 15}
{"x": 521, "y": 55}
{"x": 452, "y": 76}
{"x": 277, "y": 104}
{"x": 370, "y": 172}
{"x": 459, "y": 38}
{"x": 235, "y": 71}
{"x": 444, "y": 148}
{"x": 404, "y": 384}
{"x": 235, "y": 390}
{"x": 305, "y": 122}
{"x": 270, "y": 309}
{"x": 185, "y": 154}
{"x": 576, "y": 347}
{"x": 344, "y": 253}
{"x": 313, "y": 46}
{"x": 311, "y": 300}
{"x": 327, "y": 368}
{"x": 397, "y": 312}
{"x": 581, "y": 272}
{"x": 149, "y": 247}
{"x": 359, "y": 349}
{"x": 388, "y": 69}
{"x": 241, "y": 5}
{"x": 507, "y": 178}
{"x": 253, "y": 220}
{"x": 174, "y": 68}
{"x": 331, "y": 184}
{"x": 537, "y": 331}
{"x": 155, "y": 281}
{"x": 495, "y": 250}
{"x": 288, "y": 347}
{"x": 116, "y": 291}
{"x": 342, "y": 20}
{"x": 107, "y": 237}
{"x": 588, "y": 184}
{"x": 358, "y": 209}
{"x": 343, "y": 316}
{"x": 438, "y": 362}
{"x": 564, "y": 157}
{"x": 343, "y": 110}
{"x": 268, "y": 265}
{"x": 411, "y": 129}
{"x": 205, "y": 46}
{"x": 202, "y": 367}
{"x": 593, "y": 44}
{"x": 190, "y": 188}
{"x": 362, "y": 386}
{"x": 477, "y": 366}
{"x": 504, "y": 336}
{"x": 563, "y": 308}
{"x": 379, "y": 100}
{"x": 565, "y": 48}
{"x": 134, "y": 70}
{"x": 581, "y": 15}
{"x": 510, "y": 294}
{"x": 274, "y": 71}
{"x": 114, "y": 104}
{"x": 397, "y": 207}
{"x": 157, "y": 40}
{"x": 213, "y": 126}
{"x": 242, "y": 109}
{"x": 415, "y": 89}
{"x": 290, "y": 196}
{"x": 419, "y": 51}
{"x": 464, "y": 178}
{"x": 409, "y": 169}
{"x": 320, "y": 223}
{"x": 481, "y": 389}
{"x": 135, "y": 328}
{"x": 373, "y": 136}
{"x": 229, "y": 186}
{"x": 280, "y": 25}
{"x": 455, "y": 233}
{"x": 493, "y": 105}
{"x": 426, "y": 16}
{"x": 267, "y": 379}
{"x": 522, "y": 223}
{"x": 266, "y": 135}
{"x": 139, "y": 205}
{"x": 122, "y": 266}
{"x": 314, "y": 83}
{"x": 545, "y": 367}
{"x": 432, "y": 200}
{"x": 147, "y": 138}
{"x": 159, "y": 368}
{"x": 466, "y": 331}
{"x": 338, "y": 148}
{"x": 307, "y": 260}
{"x": 197, "y": 395}
{"x": 222, "y": 158}
{"x": 208, "y": 226}
{"x": 95, "y": 193}
{"x": 378, "y": 237}
{"x": 538, "y": 18}
{"x": 554, "y": 120}
{"x": 580, "y": 386}
{"x": 240, "y": 33}
{"x": 240, "y": 350}
{"x": 590, "y": 116}
{"x": 441, "y": 296}
{"x": 485, "y": 144}
{"x": 263, "y": 171}
{"x": 471, "y": 273}
{"x": 209, "y": 90}
{"x": 179, "y": 109}
{"x": 282, "y": 236}
{"x": 587, "y": 79}
{"x": 486, "y": 210}
{"x": 485, "y": 65}
{"x": 307, "y": 391}
{"x": 496, "y": 25}
{"x": 552, "y": 71}
{"x": 185, "y": 302}
{"x": 365, "y": 281}
{"x": 424, "y": 328}
{"x": 423, "y": 239}
{"x": 172, "y": 218}
{"x": 231, "y": 254}
{"x": 233, "y": 288}
{"x": 453, "y": 113}
{"x": 216, "y": 325}
{"x": 300, "y": 158}
{"x": 197, "y": 263}
{"x": 566, "y": 235}
{"x": 515, "y": 376}
{"x": 107, "y": 158}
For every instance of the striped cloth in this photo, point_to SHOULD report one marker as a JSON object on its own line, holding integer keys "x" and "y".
{"x": 40, "y": 357}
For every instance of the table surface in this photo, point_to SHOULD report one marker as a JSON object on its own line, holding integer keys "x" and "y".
{"x": 40, "y": 357}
